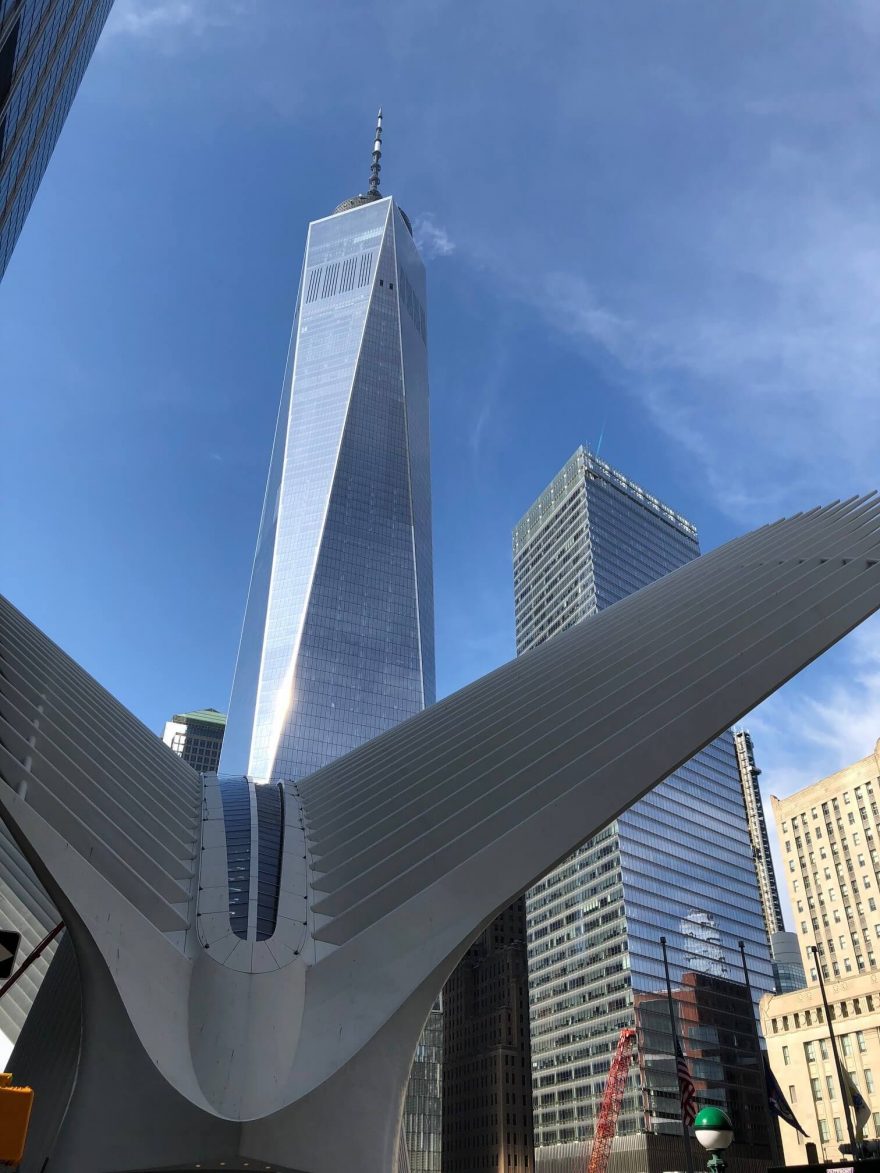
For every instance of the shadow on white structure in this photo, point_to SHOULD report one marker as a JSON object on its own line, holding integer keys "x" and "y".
{"x": 198, "y": 1045}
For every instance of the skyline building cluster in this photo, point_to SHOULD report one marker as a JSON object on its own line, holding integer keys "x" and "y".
{"x": 337, "y": 647}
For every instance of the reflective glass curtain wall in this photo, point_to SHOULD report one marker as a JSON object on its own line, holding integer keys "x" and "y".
{"x": 45, "y": 46}
{"x": 338, "y": 637}
{"x": 679, "y": 863}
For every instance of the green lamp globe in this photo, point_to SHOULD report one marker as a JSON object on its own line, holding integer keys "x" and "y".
{"x": 713, "y": 1129}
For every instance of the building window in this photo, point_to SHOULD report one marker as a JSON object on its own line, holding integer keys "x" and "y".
{"x": 792, "y": 1094}
{"x": 823, "y": 1131}
{"x": 838, "y": 1129}
{"x": 829, "y": 1086}
{"x": 810, "y": 1052}
{"x": 786, "y": 1057}
{"x": 869, "y": 1080}
{"x": 817, "y": 1088}
{"x": 823, "y": 1048}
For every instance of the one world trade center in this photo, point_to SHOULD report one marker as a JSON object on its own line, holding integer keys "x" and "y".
{"x": 338, "y": 638}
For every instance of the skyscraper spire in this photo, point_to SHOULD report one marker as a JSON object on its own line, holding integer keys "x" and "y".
{"x": 372, "y": 192}
{"x": 376, "y": 166}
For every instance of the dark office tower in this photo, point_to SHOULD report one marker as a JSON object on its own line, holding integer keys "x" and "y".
{"x": 197, "y": 738}
{"x": 338, "y": 638}
{"x": 45, "y": 46}
{"x": 679, "y": 863}
{"x": 487, "y": 1078}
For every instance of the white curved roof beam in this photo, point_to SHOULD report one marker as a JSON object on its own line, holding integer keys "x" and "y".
{"x": 678, "y": 662}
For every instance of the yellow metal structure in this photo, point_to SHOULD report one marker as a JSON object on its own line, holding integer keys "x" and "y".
{"x": 15, "y": 1115}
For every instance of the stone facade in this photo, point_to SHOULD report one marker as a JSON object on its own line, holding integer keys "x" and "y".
{"x": 829, "y": 836}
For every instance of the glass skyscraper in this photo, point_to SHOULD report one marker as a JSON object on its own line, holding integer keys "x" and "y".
{"x": 338, "y": 638}
{"x": 679, "y": 863}
{"x": 45, "y": 46}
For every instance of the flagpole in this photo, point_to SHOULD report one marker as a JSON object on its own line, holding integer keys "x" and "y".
{"x": 773, "y": 1135}
{"x": 688, "y": 1155}
{"x": 844, "y": 1091}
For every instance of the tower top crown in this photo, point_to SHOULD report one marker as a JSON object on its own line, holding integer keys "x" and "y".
{"x": 372, "y": 193}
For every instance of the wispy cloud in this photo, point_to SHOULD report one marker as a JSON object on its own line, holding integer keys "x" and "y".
{"x": 487, "y": 392}
{"x": 432, "y": 239}
{"x": 808, "y": 732}
{"x": 157, "y": 18}
{"x": 817, "y": 725}
{"x": 763, "y": 363}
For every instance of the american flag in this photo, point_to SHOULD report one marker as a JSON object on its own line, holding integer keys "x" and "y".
{"x": 686, "y": 1090}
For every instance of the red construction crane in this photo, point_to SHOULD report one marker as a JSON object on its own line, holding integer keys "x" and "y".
{"x": 606, "y": 1122}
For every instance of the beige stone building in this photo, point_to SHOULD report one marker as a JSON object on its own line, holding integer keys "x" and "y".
{"x": 829, "y": 835}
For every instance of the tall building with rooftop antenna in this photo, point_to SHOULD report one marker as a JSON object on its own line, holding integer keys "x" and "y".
{"x": 338, "y": 638}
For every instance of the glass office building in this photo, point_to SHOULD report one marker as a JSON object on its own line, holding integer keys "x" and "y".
{"x": 678, "y": 864}
{"x": 45, "y": 46}
{"x": 338, "y": 638}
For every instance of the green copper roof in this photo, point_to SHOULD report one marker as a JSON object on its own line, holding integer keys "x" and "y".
{"x": 206, "y": 716}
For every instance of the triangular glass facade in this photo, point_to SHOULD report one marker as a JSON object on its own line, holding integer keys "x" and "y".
{"x": 338, "y": 637}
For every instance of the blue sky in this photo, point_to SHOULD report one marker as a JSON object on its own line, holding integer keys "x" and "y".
{"x": 656, "y": 221}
